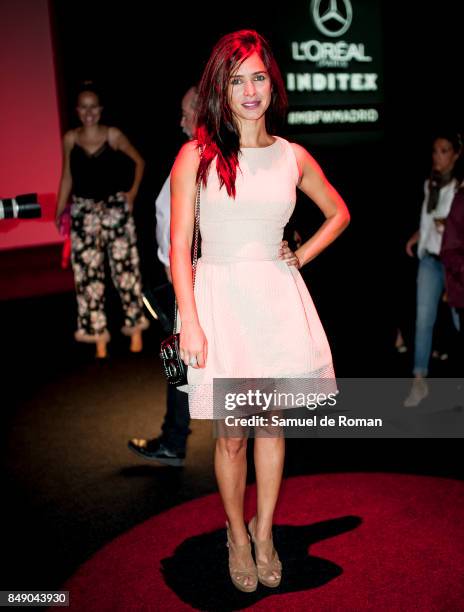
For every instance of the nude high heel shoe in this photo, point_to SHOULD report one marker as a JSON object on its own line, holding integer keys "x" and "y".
{"x": 265, "y": 548}
{"x": 241, "y": 565}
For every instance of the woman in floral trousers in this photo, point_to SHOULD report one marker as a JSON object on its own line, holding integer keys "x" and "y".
{"x": 102, "y": 224}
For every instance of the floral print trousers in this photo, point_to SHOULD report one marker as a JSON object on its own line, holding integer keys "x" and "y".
{"x": 100, "y": 229}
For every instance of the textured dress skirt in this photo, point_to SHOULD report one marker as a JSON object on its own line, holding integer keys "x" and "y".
{"x": 255, "y": 310}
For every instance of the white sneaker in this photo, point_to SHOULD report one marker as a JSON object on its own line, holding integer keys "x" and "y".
{"x": 419, "y": 391}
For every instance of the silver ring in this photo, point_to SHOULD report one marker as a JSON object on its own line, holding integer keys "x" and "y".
{"x": 193, "y": 361}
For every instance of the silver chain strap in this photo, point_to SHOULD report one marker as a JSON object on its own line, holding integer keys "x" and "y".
{"x": 196, "y": 232}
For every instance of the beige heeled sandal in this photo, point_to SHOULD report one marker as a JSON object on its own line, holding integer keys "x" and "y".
{"x": 241, "y": 565}
{"x": 265, "y": 548}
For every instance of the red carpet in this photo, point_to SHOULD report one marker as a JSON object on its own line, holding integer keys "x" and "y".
{"x": 348, "y": 542}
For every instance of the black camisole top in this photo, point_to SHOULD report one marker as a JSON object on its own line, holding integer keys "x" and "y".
{"x": 97, "y": 175}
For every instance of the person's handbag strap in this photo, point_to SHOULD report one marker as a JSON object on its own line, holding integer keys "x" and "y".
{"x": 196, "y": 232}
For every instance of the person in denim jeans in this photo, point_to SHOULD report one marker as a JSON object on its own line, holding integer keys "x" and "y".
{"x": 439, "y": 189}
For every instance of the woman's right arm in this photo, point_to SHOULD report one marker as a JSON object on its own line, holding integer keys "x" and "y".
{"x": 193, "y": 342}
{"x": 66, "y": 178}
{"x": 411, "y": 242}
{"x": 416, "y": 236}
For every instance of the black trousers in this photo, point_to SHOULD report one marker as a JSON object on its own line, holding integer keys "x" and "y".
{"x": 176, "y": 420}
{"x": 175, "y": 428}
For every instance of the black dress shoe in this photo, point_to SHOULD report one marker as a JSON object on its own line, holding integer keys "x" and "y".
{"x": 154, "y": 450}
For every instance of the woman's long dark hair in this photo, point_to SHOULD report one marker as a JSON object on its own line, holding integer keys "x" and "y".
{"x": 218, "y": 132}
{"x": 437, "y": 180}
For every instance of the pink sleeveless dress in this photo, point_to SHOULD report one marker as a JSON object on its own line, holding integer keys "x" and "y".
{"x": 255, "y": 310}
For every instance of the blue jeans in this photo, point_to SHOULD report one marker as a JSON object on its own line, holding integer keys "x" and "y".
{"x": 430, "y": 287}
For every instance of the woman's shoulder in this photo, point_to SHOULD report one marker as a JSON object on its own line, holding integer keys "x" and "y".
{"x": 113, "y": 135}
{"x": 300, "y": 152}
{"x": 187, "y": 160}
{"x": 297, "y": 155}
{"x": 303, "y": 158}
{"x": 70, "y": 138}
{"x": 297, "y": 148}
{"x": 190, "y": 151}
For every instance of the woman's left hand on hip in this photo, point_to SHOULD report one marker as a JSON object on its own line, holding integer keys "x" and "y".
{"x": 287, "y": 255}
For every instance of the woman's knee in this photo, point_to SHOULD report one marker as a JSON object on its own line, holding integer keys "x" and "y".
{"x": 233, "y": 448}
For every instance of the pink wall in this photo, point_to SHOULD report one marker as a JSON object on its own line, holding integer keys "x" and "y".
{"x": 30, "y": 151}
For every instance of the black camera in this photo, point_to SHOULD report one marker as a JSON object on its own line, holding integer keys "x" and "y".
{"x": 23, "y": 206}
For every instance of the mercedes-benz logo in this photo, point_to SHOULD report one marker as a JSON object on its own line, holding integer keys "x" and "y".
{"x": 335, "y": 20}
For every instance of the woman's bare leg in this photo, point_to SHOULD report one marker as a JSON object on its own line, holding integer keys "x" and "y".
{"x": 230, "y": 464}
{"x": 136, "y": 344}
{"x": 269, "y": 462}
{"x": 100, "y": 349}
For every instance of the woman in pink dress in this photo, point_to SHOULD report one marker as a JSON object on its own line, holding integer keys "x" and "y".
{"x": 249, "y": 314}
